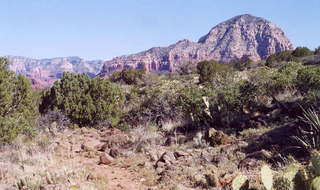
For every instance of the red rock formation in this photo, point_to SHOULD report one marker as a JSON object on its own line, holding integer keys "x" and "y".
{"x": 244, "y": 35}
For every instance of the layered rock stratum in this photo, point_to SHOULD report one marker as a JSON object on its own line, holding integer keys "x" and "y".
{"x": 241, "y": 36}
{"x": 43, "y": 72}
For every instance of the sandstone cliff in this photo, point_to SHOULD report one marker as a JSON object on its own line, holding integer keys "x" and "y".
{"x": 241, "y": 36}
{"x": 43, "y": 72}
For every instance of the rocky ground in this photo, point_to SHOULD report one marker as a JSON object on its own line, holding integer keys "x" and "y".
{"x": 142, "y": 159}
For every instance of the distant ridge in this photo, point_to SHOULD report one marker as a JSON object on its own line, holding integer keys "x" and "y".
{"x": 43, "y": 72}
{"x": 241, "y": 36}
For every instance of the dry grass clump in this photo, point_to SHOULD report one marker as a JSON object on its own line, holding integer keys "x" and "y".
{"x": 31, "y": 164}
{"x": 143, "y": 136}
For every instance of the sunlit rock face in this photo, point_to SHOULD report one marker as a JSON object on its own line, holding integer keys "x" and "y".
{"x": 241, "y": 36}
{"x": 43, "y": 72}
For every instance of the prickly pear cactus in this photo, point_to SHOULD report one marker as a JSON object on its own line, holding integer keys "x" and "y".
{"x": 315, "y": 160}
{"x": 291, "y": 171}
{"x": 241, "y": 182}
{"x": 267, "y": 177}
{"x": 303, "y": 178}
{"x": 315, "y": 185}
{"x": 285, "y": 180}
{"x": 257, "y": 187}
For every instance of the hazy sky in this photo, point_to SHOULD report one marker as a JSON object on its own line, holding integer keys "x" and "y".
{"x": 102, "y": 29}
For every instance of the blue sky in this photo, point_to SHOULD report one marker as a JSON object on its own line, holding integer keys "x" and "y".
{"x": 102, "y": 29}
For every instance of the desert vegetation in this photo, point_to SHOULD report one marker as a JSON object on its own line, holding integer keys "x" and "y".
{"x": 240, "y": 125}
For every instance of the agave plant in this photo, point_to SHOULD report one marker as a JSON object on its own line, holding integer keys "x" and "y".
{"x": 309, "y": 135}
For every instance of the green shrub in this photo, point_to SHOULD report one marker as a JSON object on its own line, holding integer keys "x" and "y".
{"x": 157, "y": 104}
{"x": 220, "y": 107}
{"x": 211, "y": 70}
{"x": 262, "y": 79}
{"x": 84, "y": 100}
{"x": 311, "y": 60}
{"x": 194, "y": 103}
{"x": 302, "y": 52}
{"x": 317, "y": 51}
{"x": 308, "y": 79}
{"x": 227, "y": 107}
{"x": 285, "y": 78}
{"x": 187, "y": 68}
{"x": 17, "y": 106}
{"x": 128, "y": 76}
{"x": 271, "y": 82}
{"x": 283, "y": 56}
{"x": 242, "y": 64}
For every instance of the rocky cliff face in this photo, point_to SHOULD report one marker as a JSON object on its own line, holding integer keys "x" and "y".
{"x": 241, "y": 36}
{"x": 43, "y": 72}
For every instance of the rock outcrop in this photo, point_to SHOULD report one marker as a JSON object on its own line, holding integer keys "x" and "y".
{"x": 241, "y": 36}
{"x": 43, "y": 72}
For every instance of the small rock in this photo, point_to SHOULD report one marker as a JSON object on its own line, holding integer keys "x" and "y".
{"x": 180, "y": 153}
{"x": 102, "y": 147}
{"x": 215, "y": 137}
{"x": 226, "y": 179}
{"x": 242, "y": 144}
{"x": 142, "y": 179}
{"x": 87, "y": 148}
{"x": 207, "y": 156}
{"x": 105, "y": 159}
{"x": 168, "y": 158}
{"x": 160, "y": 164}
{"x": 114, "y": 153}
{"x": 128, "y": 153}
{"x": 153, "y": 155}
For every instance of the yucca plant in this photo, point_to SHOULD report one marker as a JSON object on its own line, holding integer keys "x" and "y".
{"x": 308, "y": 136}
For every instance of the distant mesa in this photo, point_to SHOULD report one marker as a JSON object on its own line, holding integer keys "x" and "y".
{"x": 241, "y": 36}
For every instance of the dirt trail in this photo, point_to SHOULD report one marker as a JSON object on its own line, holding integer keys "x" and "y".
{"x": 82, "y": 149}
{"x": 116, "y": 178}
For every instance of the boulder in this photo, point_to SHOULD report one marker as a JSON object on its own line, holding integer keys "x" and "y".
{"x": 180, "y": 153}
{"x": 215, "y": 137}
{"x": 105, "y": 159}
